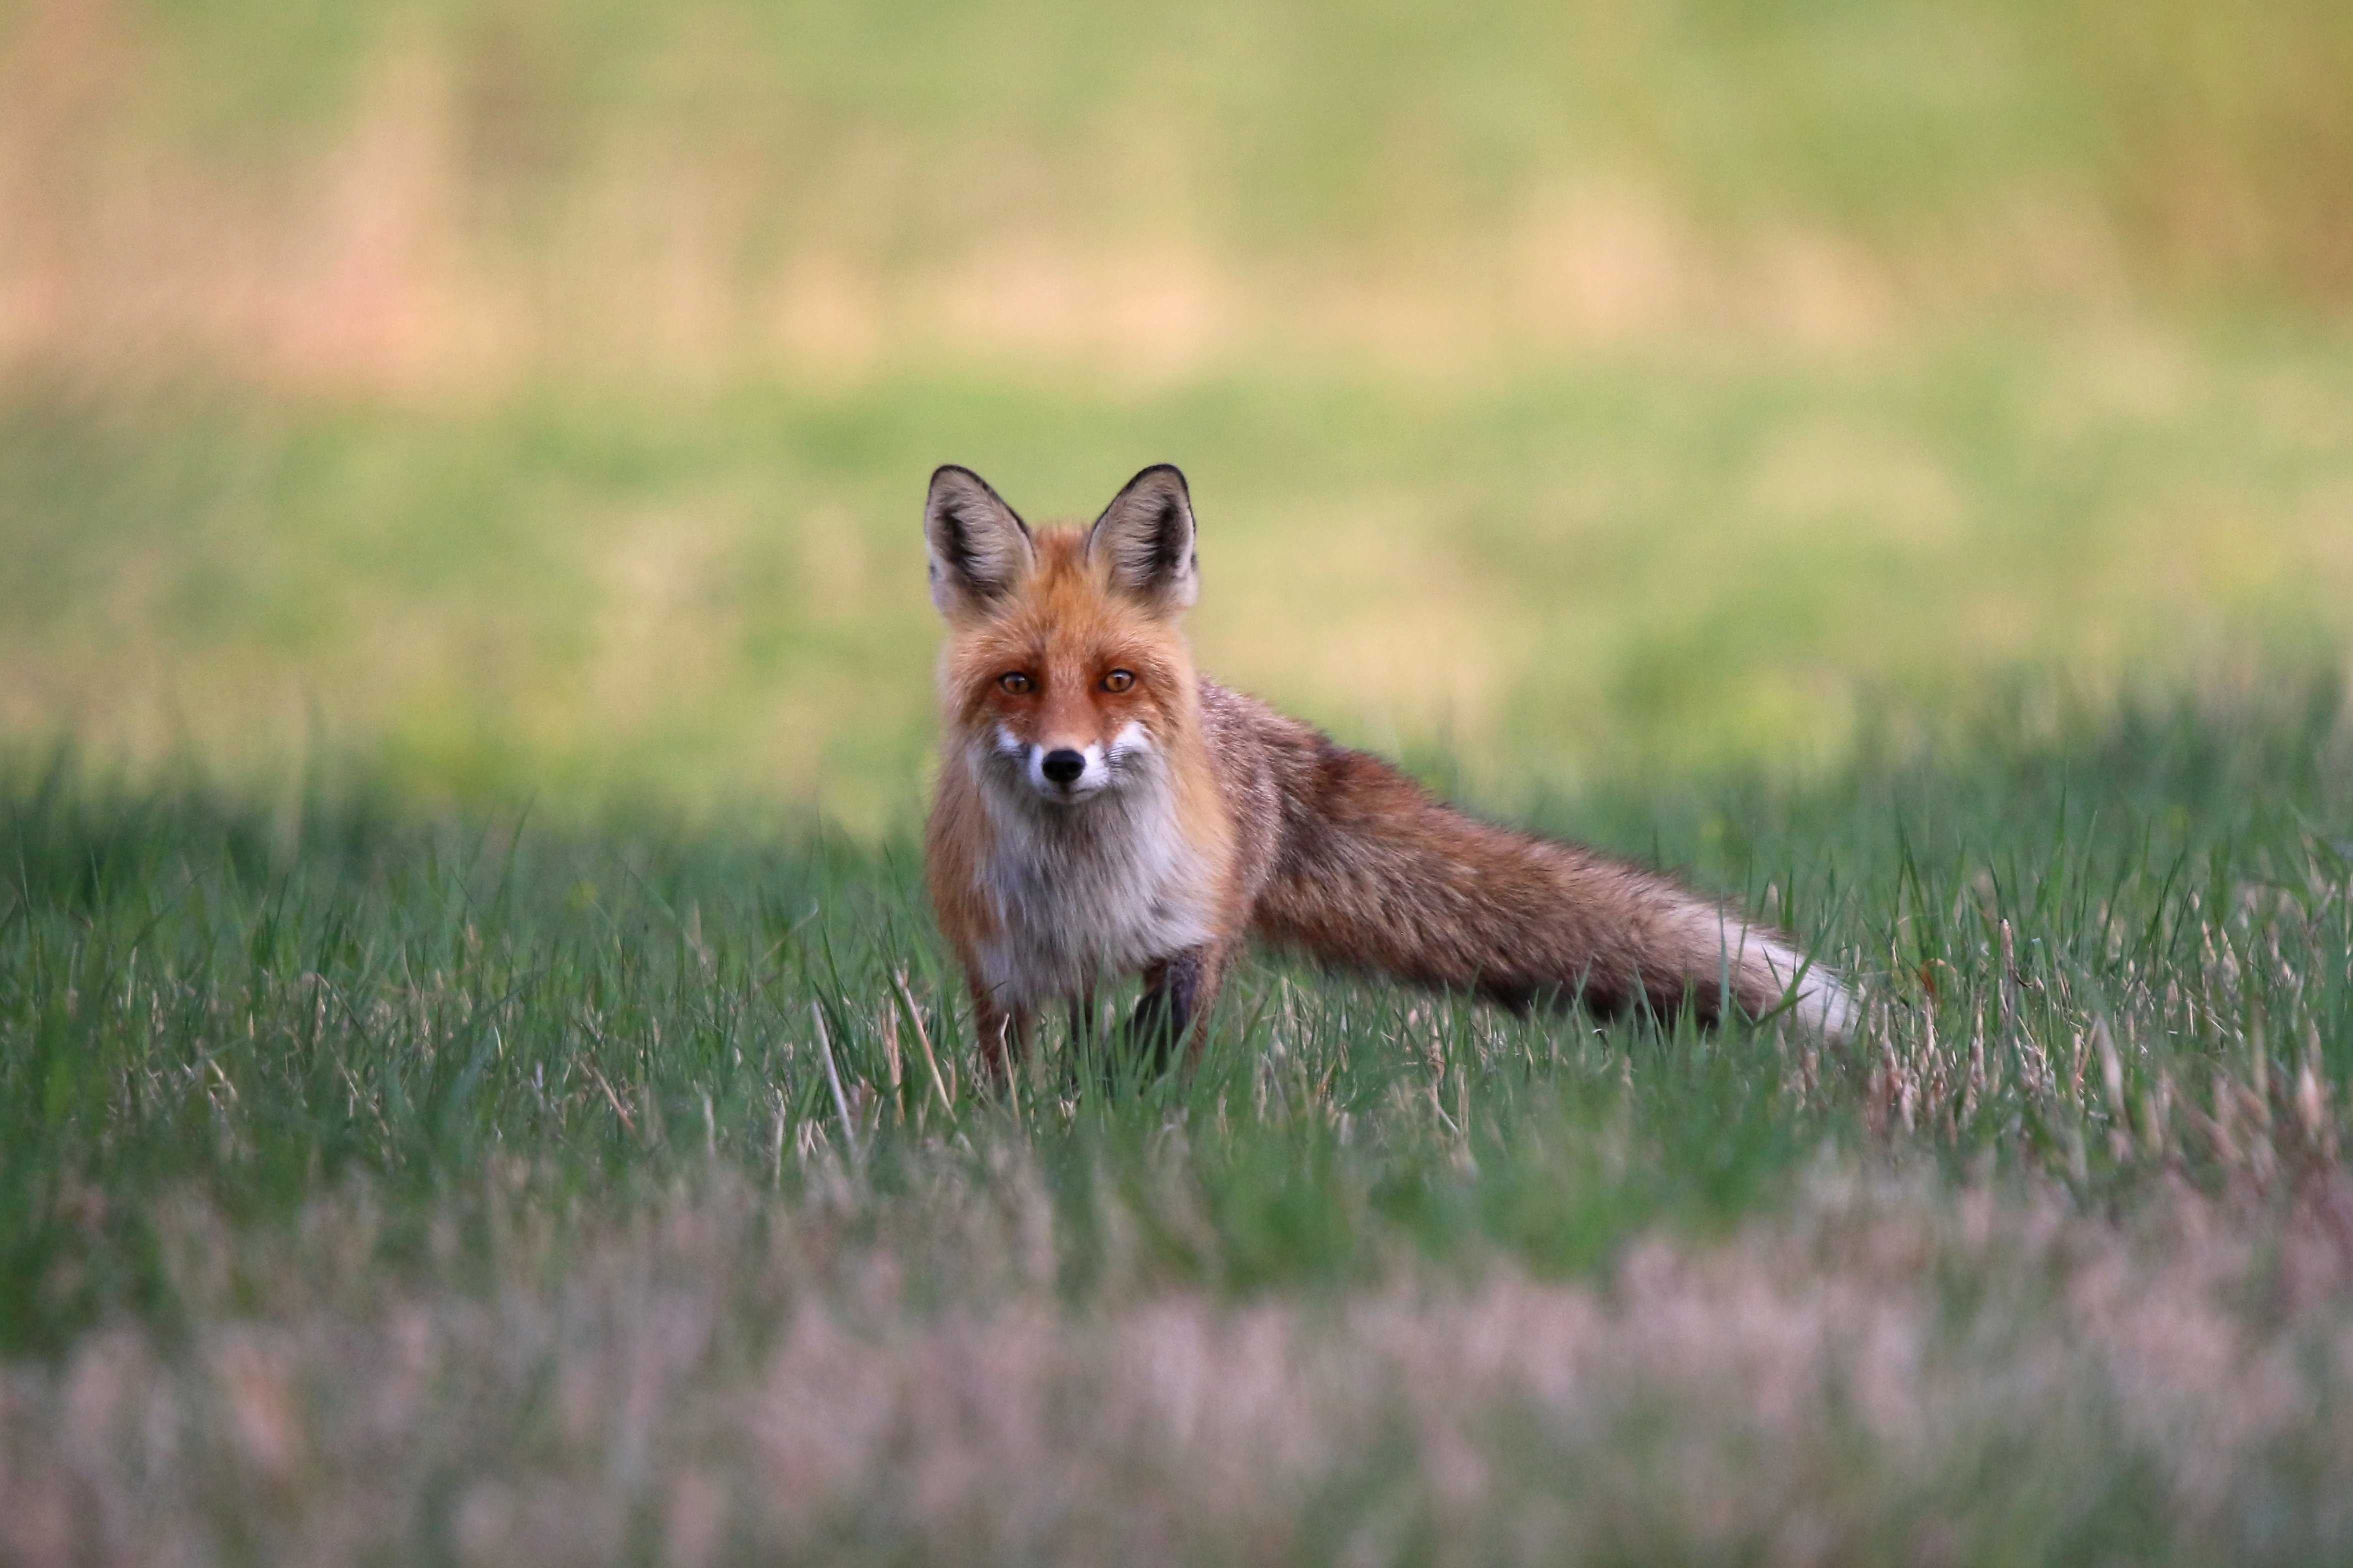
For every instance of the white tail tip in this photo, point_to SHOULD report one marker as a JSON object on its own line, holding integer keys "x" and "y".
{"x": 1825, "y": 1006}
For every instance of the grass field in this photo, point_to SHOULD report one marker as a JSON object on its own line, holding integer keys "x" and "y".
{"x": 427, "y": 1187}
{"x": 479, "y": 1083}
{"x": 453, "y": 853}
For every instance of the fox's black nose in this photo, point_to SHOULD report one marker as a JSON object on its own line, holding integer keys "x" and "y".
{"x": 1062, "y": 767}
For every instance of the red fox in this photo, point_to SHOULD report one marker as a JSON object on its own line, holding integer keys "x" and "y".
{"x": 1105, "y": 810}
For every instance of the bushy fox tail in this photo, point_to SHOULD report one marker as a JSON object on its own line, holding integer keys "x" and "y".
{"x": 1375, "y": 874}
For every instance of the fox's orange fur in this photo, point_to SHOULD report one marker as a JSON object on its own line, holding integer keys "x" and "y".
{"x": 1104, "y": 811}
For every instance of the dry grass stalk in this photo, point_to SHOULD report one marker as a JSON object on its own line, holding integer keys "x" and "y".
{"x": 1878, "y": 1375}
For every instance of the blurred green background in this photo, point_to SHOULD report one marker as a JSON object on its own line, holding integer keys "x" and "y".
{"x": 523, "y": 399}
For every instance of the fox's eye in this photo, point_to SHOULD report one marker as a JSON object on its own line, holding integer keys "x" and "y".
{"x": 1013, "y": 680}
{"x": 1118, "y": 680}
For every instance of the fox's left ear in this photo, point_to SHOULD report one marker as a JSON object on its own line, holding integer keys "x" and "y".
{"x": 1147, "y": 533}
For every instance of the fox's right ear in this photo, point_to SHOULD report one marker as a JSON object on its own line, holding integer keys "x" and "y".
{"x": 979, "y": 546}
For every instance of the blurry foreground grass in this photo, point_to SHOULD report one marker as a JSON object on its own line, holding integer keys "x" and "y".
{"x": 474, "y": 1189}
{"x": 1671, "y": 558}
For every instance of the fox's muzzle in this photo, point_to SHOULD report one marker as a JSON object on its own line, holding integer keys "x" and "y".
{"x": 1060, "y": 773}
{"x": 1065, "y": 773}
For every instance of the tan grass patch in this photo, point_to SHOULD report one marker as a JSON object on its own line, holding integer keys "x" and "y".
{"x": 1880, "y": 1375}
{"x": 385, "y": 249}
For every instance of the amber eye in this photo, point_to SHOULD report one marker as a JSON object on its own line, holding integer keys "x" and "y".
{"x": 1118, "y": 680}
{"x": 1013, "y": 680}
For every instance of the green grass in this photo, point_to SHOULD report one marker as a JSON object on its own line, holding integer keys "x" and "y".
{"x": 281, "y": 1065}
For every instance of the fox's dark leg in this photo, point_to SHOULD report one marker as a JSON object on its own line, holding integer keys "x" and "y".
{"x": 1083, "y": 1017}
{"x": 1175, "y": 1004}
{"x": 1003, "y": 1036}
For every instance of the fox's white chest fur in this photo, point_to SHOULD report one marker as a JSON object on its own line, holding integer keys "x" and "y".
{"x": 1086, "y": 891}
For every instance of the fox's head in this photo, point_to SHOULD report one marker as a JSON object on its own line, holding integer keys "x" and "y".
{"x": 1065, "y": 671}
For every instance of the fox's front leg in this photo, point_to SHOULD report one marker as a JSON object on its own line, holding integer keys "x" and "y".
{"x": 1004, "y": 1035}
{"x": 1175, "y": 1007}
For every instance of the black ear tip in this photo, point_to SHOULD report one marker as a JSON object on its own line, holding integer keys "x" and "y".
{"x": 1165, "y": 472}
{"x": 955, "y": 471}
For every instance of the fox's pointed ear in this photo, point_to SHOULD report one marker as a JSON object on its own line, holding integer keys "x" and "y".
{"x": 979, "y": 546}
{"x": 1146, "y": 534}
